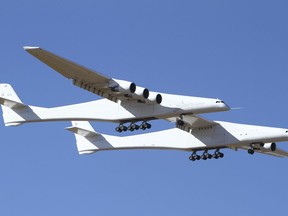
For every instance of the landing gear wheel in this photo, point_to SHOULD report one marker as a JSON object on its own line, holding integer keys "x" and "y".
{"x": 145, "y": 125}
{"x": 180, "y": 122}
{"x": 132, "y": 127}
{"x": 204, "y": 156}
{"x": 121, "y": 128}
{"x": 191, "y": 158}
{"x": 251, "y": 151}
{"x": 118, "y": 129}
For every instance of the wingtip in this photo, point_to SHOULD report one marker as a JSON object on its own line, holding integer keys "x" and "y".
{"x": 30, "y": 47}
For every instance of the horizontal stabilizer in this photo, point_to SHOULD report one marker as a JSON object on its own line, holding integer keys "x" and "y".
{"x": 11, "y": 103}
{"x": 86, "y": 137}
{"x": 82, "y": 128}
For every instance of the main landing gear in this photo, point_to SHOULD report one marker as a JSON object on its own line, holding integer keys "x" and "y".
{"x": 144, "y": 125}
{"x": 251, "y": 151}
{"x": 252, "y": 148}
{"x": 217, "y": 154}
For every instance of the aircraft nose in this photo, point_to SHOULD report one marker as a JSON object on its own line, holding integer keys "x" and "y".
{"x": 227, "y": 107}
{"x": 223, "y": 105}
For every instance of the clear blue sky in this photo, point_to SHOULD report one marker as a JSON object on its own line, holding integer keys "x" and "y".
{"x": 234, "y": 50}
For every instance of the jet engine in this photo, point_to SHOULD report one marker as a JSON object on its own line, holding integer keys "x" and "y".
{"x": 271, "y": 146}
{"x": 124, "y": 87}
{"x": 147, "y": 96}
{"x": 140, "y": 93}
{"x": 129, "y": 89}
{"x": 154, "y": 97}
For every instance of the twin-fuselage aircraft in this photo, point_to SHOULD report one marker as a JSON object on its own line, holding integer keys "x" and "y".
{"x": 134, "y": 107}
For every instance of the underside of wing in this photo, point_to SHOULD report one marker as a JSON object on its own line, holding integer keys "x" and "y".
{"x": 277, "y": 152}
{"x": 190, "y": 122}
{"x": 68, "y": 68}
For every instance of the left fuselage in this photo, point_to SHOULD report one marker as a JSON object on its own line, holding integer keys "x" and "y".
{"x": 106, "y": 110}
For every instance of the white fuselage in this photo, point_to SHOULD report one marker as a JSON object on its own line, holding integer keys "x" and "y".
{"x": 222, "y": 135}
{"x": 106, "y": 110}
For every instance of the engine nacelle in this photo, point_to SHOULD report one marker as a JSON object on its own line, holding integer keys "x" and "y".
{"x": 271, "y": 146}
{"x": 124, "y": 87}
{"x": 129, "y": 89}
{"x": 140, "y": 93}
{"x": 153, "y": 98}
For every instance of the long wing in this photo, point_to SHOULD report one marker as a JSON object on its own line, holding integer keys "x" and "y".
{"x": 68, "y": 68}
{"x": 85, "y": 78}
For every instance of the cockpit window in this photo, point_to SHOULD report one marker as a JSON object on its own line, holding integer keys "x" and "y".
{"x": 219, "y": 101}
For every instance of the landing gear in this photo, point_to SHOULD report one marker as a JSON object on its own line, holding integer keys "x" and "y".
{"x": 121, "y": 128}
{"x": 251, "y": 151}
{"x": 194, "y": 156}
{"x": 252, "y": 148}
{"x": 217, "y": 154}
{"x": 180, "y": 121}
{"x": 133, "y": 127}
{"x": 206, "y": 155}
{"x": 144, "y": 125}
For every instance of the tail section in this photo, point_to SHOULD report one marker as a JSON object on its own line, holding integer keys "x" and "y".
{"x": 89, "y": 141}
{"x": 10, "y": 103}
{"x": 86, "y": 137}
{"x": 8, "y": 96}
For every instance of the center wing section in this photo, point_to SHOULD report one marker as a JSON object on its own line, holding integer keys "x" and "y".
{"x": 90, "y": 80}
{"x": 190, "y": 122}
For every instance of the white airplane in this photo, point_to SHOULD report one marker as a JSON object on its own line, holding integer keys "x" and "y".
{"x": 197, "y": 134}
{"x": 123, "y": 102}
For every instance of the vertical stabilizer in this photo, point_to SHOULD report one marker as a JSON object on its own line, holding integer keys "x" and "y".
{"x": 10, "y": 103}
{"x": 85, "y": 136}
{"x": 7, "y": 92}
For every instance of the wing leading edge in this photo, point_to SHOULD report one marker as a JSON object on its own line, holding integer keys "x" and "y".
{"x": 85, "y": 78}
{"x": 277, "y": 152}
{"x": 68, "y": 68}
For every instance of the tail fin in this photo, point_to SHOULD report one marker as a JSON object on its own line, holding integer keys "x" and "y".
{"x": 10, "y": 102}
{"x": 86, "y": 137}
{"x": 8, "y": 96}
